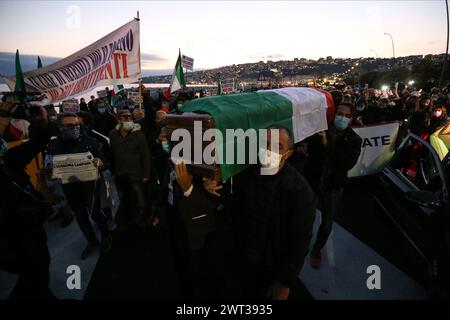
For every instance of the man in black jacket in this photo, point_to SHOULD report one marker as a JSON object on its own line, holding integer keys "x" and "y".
{"x": 81, "y": 195}
{"x": 275, "y": 215}
{"x": 331, "y": 155}
{"x": 23, "y": 212}
{"x": 131, "y": 163}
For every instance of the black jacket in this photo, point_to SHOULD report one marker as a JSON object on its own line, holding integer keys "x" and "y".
{"x": 275, "y": 216}
{"x": 23, "y": 209}
{"x": 327, "y": 166}
{"x": 130, "y": 155}
{"x": 82, "y": 144}
{"x": 197, "y": 215}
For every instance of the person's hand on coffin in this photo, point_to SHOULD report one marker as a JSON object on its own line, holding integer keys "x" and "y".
{"x": 211, "y": 186}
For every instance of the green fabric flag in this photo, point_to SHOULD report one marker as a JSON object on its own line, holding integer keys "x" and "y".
{"x": 39, "y": 63}
{"x": 20, "y": 82}
{"x": 256, "y": 110}
{"x": 178, "y": 81}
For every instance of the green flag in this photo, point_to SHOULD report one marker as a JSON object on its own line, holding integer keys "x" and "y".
{"x": 178, "y": 76}
{"x": 39, "y": 62}
{"x": 20, "y": 83}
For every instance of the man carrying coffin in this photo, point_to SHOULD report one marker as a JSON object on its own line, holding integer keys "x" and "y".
{"x": 275, "y": 215}
{"x": 81, "y": 194}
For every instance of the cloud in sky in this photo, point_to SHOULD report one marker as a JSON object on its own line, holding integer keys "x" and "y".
{"x": 152, "y": 61}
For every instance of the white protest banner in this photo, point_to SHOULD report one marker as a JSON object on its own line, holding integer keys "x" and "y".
{"x": 75, "y": 167}
{"x": 377, "y": 148}
{"x": 114, "y": 59}
{"x": 187, "y": 62}
{"x": 71, "y": 106}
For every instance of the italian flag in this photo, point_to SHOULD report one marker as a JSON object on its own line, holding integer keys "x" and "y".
{"x": 305, "y": 111}
{"x": 178, "y": 76}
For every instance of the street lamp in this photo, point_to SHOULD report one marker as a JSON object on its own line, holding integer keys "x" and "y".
{"x": 392, "y": 41}
{"x": 376, "y": 54}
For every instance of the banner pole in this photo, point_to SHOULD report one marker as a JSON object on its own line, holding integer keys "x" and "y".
{"x": 140, "y": 78}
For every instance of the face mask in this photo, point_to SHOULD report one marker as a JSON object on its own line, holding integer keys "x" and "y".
{"x": 437, "y": 114}
{"x": 341, "y": 123}
{"x": 102, "y": 110}
{"x": 52, "y": 118}
{"x": 270, "y": 160}
{"x": 128, "y": 125}
{"x": 179, "y": 105}
{"x": 165, "y": 146}
{"x": 71, "y": 133}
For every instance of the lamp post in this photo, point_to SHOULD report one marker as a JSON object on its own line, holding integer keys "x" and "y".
{"x": 444, "y": 66}
{"x": 393, "y": 48}
{"x": 376, "y": 54}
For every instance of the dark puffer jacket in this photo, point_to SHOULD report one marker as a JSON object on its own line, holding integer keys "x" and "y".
{"x": 328, "y": 165}
{"x": 130, "y": 154}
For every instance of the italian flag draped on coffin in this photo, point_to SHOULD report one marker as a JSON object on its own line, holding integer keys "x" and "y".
{"x": 303, "y": 110}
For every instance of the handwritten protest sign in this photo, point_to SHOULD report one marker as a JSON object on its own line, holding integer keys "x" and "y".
{"x": 71, "y": 106}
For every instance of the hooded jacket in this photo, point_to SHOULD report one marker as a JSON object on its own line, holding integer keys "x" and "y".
{"x": 130, "y": 154}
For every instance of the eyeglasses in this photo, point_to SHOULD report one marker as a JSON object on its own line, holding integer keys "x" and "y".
{"x": 71, "y": 125}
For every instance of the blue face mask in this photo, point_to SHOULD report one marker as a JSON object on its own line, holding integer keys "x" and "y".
{"x": 341, "y": 123}
{"x": 165, "y": 146}
{"x": 71, "y": 133}
{"x": 102, "y": 110}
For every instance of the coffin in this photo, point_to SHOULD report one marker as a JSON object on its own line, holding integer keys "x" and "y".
{"x": 186, "y": 121}
{"x": 305, "y": 111}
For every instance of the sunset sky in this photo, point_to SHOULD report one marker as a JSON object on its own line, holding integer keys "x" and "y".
{"x": 218, "y": 33}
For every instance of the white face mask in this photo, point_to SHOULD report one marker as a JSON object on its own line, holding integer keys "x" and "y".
{"x": 437, "y": 114}
{"x": 270, "y": 161}
{"x": 128, "y": 125}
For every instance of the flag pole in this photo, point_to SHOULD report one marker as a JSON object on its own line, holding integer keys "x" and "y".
{"x": 140, "y": 78}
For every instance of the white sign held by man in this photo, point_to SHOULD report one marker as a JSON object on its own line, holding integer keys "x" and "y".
{"x": 71, "y": 106}
{"x": 102, "y": 94}
{"x": 377, "y": 149}
{"x": 75, "y": 167}
{"x": 135, "y": 97}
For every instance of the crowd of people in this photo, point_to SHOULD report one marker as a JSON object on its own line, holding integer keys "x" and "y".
{"x": 261, "y": 223}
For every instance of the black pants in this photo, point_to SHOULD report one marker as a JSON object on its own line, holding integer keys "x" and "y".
{"x": 331, "y": 201}
{"x": 133, "y": 202}
{"x": 256, "y": 280}
{"x": 82, "y": 197}
{"x": 29, "y": 241}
